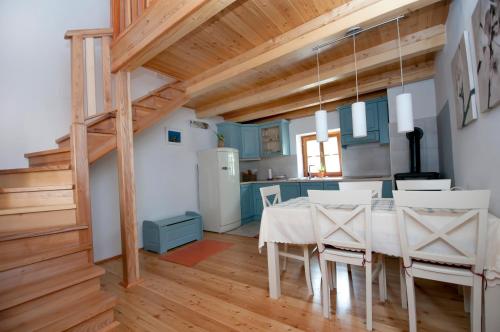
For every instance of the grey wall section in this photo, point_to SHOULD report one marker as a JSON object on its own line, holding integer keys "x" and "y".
{"x": 445, "y": 144}
{"x": 165, "y": 175}
{"x": 476, "y": 148}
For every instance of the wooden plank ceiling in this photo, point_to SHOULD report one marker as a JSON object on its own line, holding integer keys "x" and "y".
{"x": 286, "y": 86}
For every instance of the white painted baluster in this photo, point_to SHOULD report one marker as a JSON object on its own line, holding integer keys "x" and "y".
{"x": 90, "y": 76}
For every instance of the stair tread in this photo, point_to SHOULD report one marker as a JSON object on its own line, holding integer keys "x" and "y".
{"x": 33, "y": 209}
{"x": 6, "y": 190}
{"x": 35, "y": 169}
{"x": 64, "y": 315}
{"x": 13, "y": 262}
{"x": 25, "y": 293}
{"x": 46, "y": 152}
{"x": 8, "y": 236}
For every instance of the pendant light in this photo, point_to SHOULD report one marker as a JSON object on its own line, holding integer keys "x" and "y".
{"x": 404, "y": 106}
{"x": 320, "y": 115}
{"x": 358, "y": 108}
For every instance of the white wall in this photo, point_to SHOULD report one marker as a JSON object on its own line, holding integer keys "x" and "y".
{"x": 166, "y": 180}
{"x": 424, "y": 114}
{"x": 35, "y": 71}
{"x": 476, "y": 148}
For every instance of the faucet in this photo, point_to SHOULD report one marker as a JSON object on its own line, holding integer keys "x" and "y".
{"x": 309, "y": 171}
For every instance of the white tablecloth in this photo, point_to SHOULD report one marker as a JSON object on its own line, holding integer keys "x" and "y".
{"x": 290, "y": 222}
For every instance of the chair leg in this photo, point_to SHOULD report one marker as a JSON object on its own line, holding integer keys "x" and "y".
{"x": 333, "y": 275}
{"x": 368, "y": 277}
{"x": 285, "y": 249}
{"x": 467, "y": 293}
{"x": 307, "y": 269}
{"x": 382, "y": 284}
{"x": 402, "y": 284}
{"x": 412, "y": 311}
{"x": 325, "y": 291}
{"x": 476, "y": 299}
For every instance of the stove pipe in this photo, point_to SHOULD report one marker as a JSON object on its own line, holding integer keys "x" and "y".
{"x": 414, "y": 138}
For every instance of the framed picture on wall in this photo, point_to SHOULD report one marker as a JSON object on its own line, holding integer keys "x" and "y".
{"x": 485, "y": 29}
{"x": 174, "y": 136}
{"x": 463, "y": 80}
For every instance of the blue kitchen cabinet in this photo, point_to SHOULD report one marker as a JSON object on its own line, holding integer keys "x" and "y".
{"x": 331, "y": 185}
{"x": 377, "y": 123}
{"x": 246, "y": 203}
{"x": 387, "y": 189}
{"x": 232, "y": 134}
{"x": 305, "y": 186}
{"x": 383, "y": 121}
{"x": 274, "y": 139}
{"x": 250, "y": 142}
{"x": 289, "y": 190}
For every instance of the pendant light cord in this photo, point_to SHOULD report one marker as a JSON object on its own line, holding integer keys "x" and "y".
{"x": 400, "y": 56}
{"x": 355, "y": 66}
{"x": 319, "y": 80}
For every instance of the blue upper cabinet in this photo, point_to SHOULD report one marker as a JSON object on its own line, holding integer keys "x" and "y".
{"x": 250, "y": 142}
{"x": 232, "y": 134}
{"x": 275, "y": 139}
{"x": 377, "y": 123}
{"x": 245, "y": 138}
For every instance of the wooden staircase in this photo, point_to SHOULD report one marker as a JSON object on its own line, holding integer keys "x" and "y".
{"x": 48, "y": 281}
{"x": 101, "y": 129}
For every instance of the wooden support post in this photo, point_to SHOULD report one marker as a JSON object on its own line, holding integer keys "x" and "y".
{"x": 79, "y": 153}
{"x": 125, "y": 158}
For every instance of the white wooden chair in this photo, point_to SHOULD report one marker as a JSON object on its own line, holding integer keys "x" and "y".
{"x": 275, "y": 192}
{"x": 380, "y": 270}
{"x": 374, "y": 186}
{"x": 428, "y": 185}
{"x": 443, "y": 238}
{"x": 344, "y": 240}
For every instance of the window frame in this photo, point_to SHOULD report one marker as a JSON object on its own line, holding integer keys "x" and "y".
{"x": 305, "y": 139}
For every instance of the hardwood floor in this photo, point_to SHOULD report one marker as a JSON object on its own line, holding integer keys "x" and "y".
{"x": 228, "y": 292}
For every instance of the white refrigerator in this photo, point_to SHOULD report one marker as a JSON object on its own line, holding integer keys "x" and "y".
{"x": 219, "y": 189}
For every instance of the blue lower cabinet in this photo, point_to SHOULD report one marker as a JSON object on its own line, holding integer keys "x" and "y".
{"x": 289, "y": 191}
{"x": 331, "y": 185}
{"x": 305, "y": 186}
{"x": 246, "y": 203}
{"x": 387, "y": 189}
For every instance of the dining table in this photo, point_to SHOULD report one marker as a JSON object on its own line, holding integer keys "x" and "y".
{"x": 290, "y": 222}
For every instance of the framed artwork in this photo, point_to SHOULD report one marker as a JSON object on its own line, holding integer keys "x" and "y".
{"x": 174, "y": 136}
{"x": 485, "y": 27}
{"x": 462, "y": 78}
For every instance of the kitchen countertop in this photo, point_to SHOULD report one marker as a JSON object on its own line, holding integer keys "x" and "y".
{"x": 337, "y": 179}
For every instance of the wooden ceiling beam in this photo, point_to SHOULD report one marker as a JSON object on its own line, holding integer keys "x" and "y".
{"x": 329, "y": 107}
{"x": 162, "y": 24}
{"x": 334, "y": 93}
{"x": 422, "y": 42}
{"x": 327, "y": 26}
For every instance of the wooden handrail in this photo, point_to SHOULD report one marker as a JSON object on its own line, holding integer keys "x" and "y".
{"x": 85, "y": 33}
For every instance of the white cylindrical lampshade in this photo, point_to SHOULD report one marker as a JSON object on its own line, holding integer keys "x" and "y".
{"x": 404, "y": 109}
{"x": 359, "y": 119}
{"x": 321, "y": 126}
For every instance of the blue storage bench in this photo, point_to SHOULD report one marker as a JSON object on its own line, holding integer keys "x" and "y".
{"x": 159, "y": 236}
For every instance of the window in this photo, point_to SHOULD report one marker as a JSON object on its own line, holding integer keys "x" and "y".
{"x": 315, "y": 154}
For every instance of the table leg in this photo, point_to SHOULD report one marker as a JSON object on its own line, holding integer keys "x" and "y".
{"x": 273, "y": 268}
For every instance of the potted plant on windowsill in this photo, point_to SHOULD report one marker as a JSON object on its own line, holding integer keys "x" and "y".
{"x": 322, "y": 171}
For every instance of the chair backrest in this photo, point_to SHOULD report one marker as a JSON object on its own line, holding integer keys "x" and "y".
{"x": 443, "y": 226}
{"x": 435, "y": 185}
{"x": 342, "y": 219}
{"x": 375, "y": 186}
{"x": 267, "y": 192}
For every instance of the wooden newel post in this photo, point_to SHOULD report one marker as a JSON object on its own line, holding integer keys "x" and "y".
{"x": 79, "y": 152}
{"x": 125, "y": 160}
